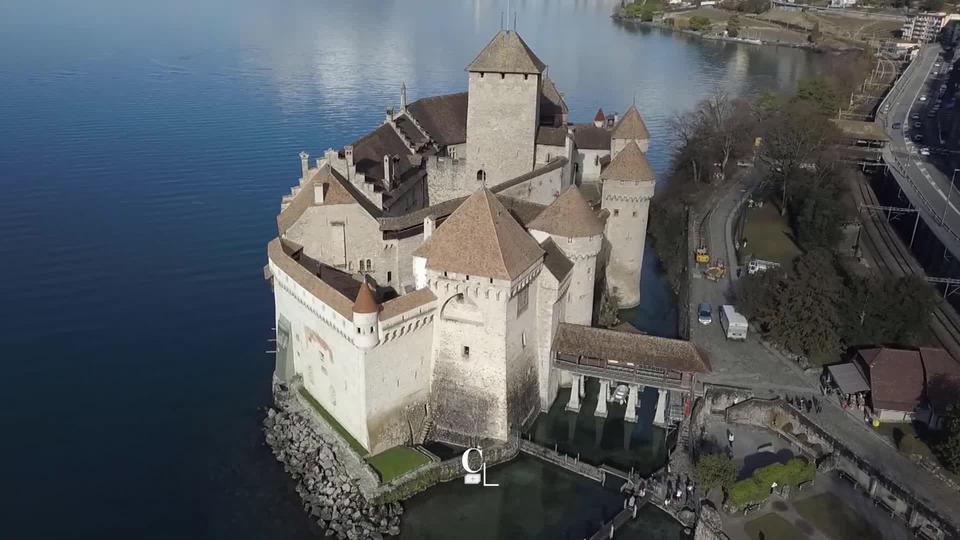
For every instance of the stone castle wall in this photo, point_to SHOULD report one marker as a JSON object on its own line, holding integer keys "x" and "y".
{"x": 502, "y": 116}
{"x": 626, "y": 231}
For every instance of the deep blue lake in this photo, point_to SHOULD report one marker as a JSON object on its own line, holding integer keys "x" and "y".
{"x": 144, "y": 148}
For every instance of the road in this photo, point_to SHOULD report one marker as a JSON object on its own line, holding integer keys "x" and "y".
{"x": 926, "y": 185}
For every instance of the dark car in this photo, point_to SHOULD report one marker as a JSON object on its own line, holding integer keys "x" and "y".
{"x": 896, "y": 125}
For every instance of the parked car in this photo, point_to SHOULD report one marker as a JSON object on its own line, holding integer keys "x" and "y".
{"x": 917, "y": 125}
{"x": 896, "y": 125}
{"x": 923, "y": 98}
{"x": 918, "y": 137}
{"x": 916, "y": 116}
{"x": 620, "y": 395}
{"x": 924, "y": 151}
{"x": 705, "y": 313}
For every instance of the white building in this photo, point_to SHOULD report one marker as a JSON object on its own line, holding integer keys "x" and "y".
{"x": 926, "y": 27}
{"x": 420, "y": 273}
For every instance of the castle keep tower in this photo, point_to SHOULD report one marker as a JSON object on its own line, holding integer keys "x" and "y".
{"x": 502, "y": 110}
{"x": 628, "y": 184}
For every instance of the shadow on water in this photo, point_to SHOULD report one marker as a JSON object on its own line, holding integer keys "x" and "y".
{"x": 610, "y": 440}
{"x": 657, "y": 312}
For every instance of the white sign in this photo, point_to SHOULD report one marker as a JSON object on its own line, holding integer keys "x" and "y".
{"x": 475, "y": 476}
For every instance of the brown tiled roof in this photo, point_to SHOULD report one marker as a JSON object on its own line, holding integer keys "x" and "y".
{"x": 631, "y": 126}
{"x": 444, "y": 117}
{"x": 522, "y": 210}
{"x": 553, "y": 164}
{"x": 507, "y": 53}
{"x": 664, "y": 353}
{"x": 551, "y": 102}
{"x": 481, "y": 238}
{"x": 368, "y": 152}
{"x": 365, "y": 303}
{"x": 407, "y": 302}
{"x": 552, "y": 136}
{"x": 599, "y": 117}
{"x": 316, "y": 285}
{"x": 570, "y": 215}
{"x": 896, "y": 378}
{"x": 942, "y": 375}
{"x": 556, "y": 262}
{"x": 630, "y": 165}
{"x": 406, "y": 126}
{"x": 334, "y": 190}
{"x": 591, "y": 137}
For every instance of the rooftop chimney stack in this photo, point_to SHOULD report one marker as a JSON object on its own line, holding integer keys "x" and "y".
{"x": 428, "y": 225}
{"x": 348, "y": 155}
{"x": 304, "y": 165}
{"x": 388, "y": 171}
{"x": 403, "y": 97}
{"x": 389, "y": 115}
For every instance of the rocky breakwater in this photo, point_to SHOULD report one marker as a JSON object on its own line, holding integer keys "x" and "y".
{"x": 329, "y": 496}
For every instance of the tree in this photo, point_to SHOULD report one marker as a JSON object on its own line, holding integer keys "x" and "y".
{"x": 607, "y": 315}
{"x": 932, "y": 5}
{"x": 805, "y": 313}
{"x": 698, "y": 23}
{"x": 733, "y": 26}
{"x": 646, "y": 15}
{"x": 948, "y": 449}
{"x": 815, "y": 34}
{"x": 817, "y": 213}
{"x": 820, "y": 92}
{"x": 716, "y": 470}
{"x": 887, "y": 310}
{"x": 755, "y": 294}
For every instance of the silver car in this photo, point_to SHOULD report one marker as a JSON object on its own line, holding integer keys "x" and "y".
{"x": 705, "y": 313}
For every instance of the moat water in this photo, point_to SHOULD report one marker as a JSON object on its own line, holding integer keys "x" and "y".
{"x": 144, "y": 148}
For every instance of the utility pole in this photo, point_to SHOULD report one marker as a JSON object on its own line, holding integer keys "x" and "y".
{"x": 949, "y": 193}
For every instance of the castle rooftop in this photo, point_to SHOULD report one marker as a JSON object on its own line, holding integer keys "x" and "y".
{"x": 630, "y": 165}
{"x": 570, "y": 215}
{"x": 631, "y": 126}
{"x": 507, "y": 53}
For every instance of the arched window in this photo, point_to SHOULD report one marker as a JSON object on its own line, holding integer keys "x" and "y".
{"x": 369, "y": 265}
{"x": 481, "y": 176}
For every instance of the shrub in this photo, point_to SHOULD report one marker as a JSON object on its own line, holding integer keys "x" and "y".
{"x": 698, "y": 23}
{"x": 787, "y": 428}
{"x": 749, "y": 491}
{"x": 714, "y": 470}
{"x": 757, "y": 488}
{"x": 802, "y": 437}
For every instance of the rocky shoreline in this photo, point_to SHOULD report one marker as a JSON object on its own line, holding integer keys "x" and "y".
{"x": 329, "y": 495}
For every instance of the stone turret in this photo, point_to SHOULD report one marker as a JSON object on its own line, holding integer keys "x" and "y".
{"x": 403, "y": 97}
{"x": 629, "y": 128}
{"x": 578, "y": 232}
{"x": 304, "y": 166}
{"x": 366, "y": 318}
{"x": 627, "y": 184}
{"x": 599, "y": 119}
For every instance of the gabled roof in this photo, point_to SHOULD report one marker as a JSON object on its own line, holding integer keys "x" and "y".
{"x": 942, "y": 375}
{"x": 369, "y": 150}
{"x": 444, "y": 117}
{"x": 570, "y": 215}
{"x": 555, "y": 261}
{"x": 630, "y": 165}
{"x": 591, "y": 137}
{"x": 895, "y": 376}
{"x": 551, "y": 102}
{"x": 631, "y": 126}
{"x": 551, "y": 136}
{"x": 574, "y": 340}
{"x": 507, "y": 53}
{"x": 481, "y": 238}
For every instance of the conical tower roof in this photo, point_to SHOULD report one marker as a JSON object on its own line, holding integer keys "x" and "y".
{"x": 570, "y": 216}
{"x": 481, "y": 238}
{"x": 599, "y": 117}
{"x": 631, "y": 126}
{"x": 507, "y": 53}
{"x": 630, "y": 165}
{"x": 365, "y": 302}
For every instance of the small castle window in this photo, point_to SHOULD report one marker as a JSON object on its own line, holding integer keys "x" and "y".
{"x": 616, "y": 212}
{"x": 523, "y": 339}
{"x": 503, "y": 76}
{"x": 359, "y": 331}
{"x": 596, "y": 160}
{"x": 389, "y": 276}
{"x": 634, "y": 213}
{"x": 466, "y": 351}
{"x": 523, "y": 299}
{"x": 481, "y": 175}
{"x": 369, "y": 265}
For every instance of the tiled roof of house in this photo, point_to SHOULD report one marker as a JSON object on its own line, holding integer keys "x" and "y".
{"x": 599, "y": 117}
{"x": 407, "y": 302}
{"x": 552, "y": 136}
{"x": 481, "y": 238}
{"x": 895, "y": 376}
{"x": 630, "y": 165}
{"x": 444, "y": 117}
{"x": 631, "y": 126}
{"x": 369, "y": 150}
{"x": 591, "y": 137}
{"x": 507, "y": 53}
{"x": 551, "y": 102}
{"x": 570, "y": 215}
{"x": 942, "y": 375}
{"x": 671, "y": 354}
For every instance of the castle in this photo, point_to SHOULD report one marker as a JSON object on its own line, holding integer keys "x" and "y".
{"x": 421, "y": 273}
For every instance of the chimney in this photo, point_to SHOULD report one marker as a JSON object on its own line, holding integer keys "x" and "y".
{"x": 304, "y": 165}
{"x": 428, "y": 226}
{"x": 389, "y": 119}
{"x": 403, "y": 97}
{"x": 318, "y": 192}
{"x": 388, "y": 171}
{"x": 348, "y": 155}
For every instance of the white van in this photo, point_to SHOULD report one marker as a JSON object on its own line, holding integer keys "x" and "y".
{"x": 734, "y": 324}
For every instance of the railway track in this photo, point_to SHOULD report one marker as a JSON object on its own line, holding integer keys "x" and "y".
{"x": 889, "y": 253}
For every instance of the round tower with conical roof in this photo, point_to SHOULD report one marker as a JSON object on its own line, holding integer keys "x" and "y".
{"x": 366, "y": 318}
{"x": 578, "y": 232}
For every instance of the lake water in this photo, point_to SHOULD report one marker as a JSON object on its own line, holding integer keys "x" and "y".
{"x": 144, "y": 148}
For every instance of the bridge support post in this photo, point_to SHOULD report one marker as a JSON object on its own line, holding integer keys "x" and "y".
{"x": 660, "y": 417}
{"x": 630, "y": 415}
{"x": 602, "y": 397}
{"x": 575, "y": 389}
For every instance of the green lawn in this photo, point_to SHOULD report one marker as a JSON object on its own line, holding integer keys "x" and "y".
{"x": 396, "y": 461}
{"x": 355, "y": 444}
{"x": 769, "y": 236}
{"x": 773, "y": 527}
{"x": 894, "y": 432}
{"x": 834, "y": 518}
